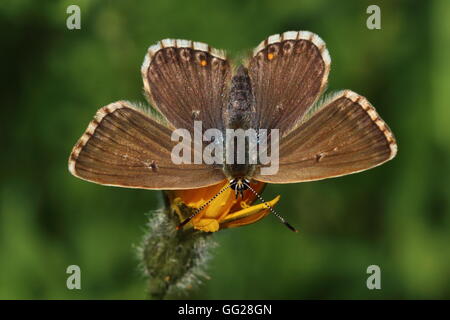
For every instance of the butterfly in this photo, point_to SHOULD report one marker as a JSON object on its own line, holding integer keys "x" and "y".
{"x": 278, "y": 87}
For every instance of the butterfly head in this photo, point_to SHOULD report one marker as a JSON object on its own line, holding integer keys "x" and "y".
{"x": 239, "y": 185}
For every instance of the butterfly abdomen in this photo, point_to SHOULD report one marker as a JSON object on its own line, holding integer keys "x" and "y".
{"x": 241, "y": 107}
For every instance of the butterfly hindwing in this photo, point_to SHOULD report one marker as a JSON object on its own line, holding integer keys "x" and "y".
{"x": 343, "y": 136}
{"x": 124, "y": 146}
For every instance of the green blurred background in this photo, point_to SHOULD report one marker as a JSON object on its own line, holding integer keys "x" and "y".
{"x": 396, "y": 216}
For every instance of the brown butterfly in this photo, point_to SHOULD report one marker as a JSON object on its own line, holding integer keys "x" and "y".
{"x": 277, "y": 88}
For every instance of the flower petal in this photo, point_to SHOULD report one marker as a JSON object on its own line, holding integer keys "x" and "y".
{"x": 207, "y": 225}
{"x": 248, "y": 215}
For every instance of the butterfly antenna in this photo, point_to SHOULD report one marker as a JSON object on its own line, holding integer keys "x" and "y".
{"x": 271, "y": 209}
{"x": 203, "y": 206}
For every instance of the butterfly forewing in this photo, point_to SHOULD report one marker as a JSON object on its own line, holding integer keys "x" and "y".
{"x": 123, "y": 146}
{"x": 288, "y": 73}
{"x": 187, "y": 81}
{"x": 344, "y": 136}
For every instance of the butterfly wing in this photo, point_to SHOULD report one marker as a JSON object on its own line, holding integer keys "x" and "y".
{"x": 345, "y": 135}
{"x": 187, "y": 81}
{"x": 126, "y": 147}
{"x": 288, "y": 73}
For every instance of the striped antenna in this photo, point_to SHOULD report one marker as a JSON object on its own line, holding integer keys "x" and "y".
{"x": 271, "y": 209}
{"x": 182, "y": 224}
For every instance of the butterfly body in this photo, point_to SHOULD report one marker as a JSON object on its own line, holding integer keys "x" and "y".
{"x": 240, "y": 114}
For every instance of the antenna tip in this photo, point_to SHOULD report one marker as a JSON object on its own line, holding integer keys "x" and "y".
{"x": 290, "y": 227}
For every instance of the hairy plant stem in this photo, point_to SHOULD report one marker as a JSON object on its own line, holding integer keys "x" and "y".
{"x": 174, "y": 261}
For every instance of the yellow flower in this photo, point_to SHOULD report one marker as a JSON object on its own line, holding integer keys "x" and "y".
{"x": 223, "y": 212}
